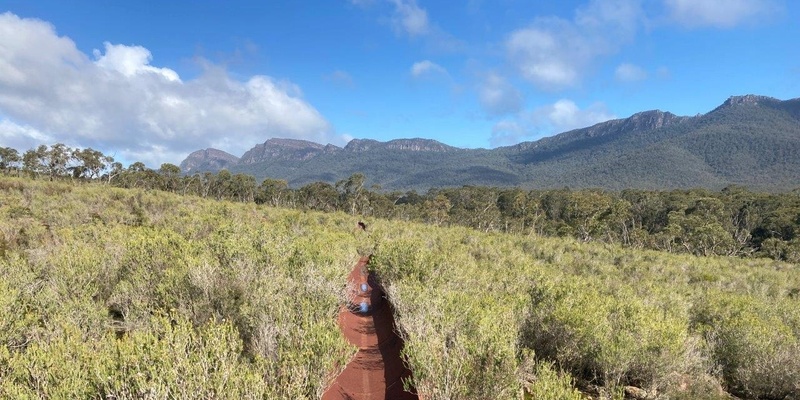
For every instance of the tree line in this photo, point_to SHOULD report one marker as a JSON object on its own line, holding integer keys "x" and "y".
{"x": 734, "y": 221}
{"x": 57, "y": 161}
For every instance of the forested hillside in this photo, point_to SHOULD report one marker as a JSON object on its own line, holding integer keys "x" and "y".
{"x": 130, "y": 293}
{"x": 750, "y": 141}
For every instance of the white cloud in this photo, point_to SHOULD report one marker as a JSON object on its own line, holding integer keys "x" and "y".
{"x": 409, "y": 18}
{"x": 565, "y": 115}
{"x": 498, "y": 97}
{"x": 554, "y": 53}
{"x": 562, "y": 116}
{"x": 427, "y": 68}
{"x": 119, "y": 103}
{"x": 130, "y": 61}
{"x": 719, "y": 13}
{"x": 21, "y": 137}
{"x": 341, "y": 78}
{"x": 626, "y": 72}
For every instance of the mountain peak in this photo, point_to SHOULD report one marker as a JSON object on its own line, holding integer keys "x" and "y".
{"x": 293, "y": 144}
{"x": 653, "y": 119}
{"x": 418, "y": 144}
{"x": 749, "y": 99}
{"x": 361, "y": 144}
{"x": 649, "y": 114}
{"x": 209, "y": 159}
{"x": 639, "y": 122}
{"x": 285, "y": 149}
{"x": 746, "y": 100}
{"x": 415, "y": 144}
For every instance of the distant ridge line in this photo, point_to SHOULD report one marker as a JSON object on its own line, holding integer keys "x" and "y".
{"x": 748, "y": 140}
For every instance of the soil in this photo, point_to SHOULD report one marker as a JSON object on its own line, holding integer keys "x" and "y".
{"x": 367, "y": 321}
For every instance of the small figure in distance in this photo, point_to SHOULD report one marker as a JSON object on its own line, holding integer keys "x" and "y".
{"x": 362, "y": 225}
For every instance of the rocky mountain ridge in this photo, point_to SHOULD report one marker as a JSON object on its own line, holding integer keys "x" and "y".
{"x": 208, "y": 160}
{"x": 285, "y": 149}
{"x": 748, "y": 140}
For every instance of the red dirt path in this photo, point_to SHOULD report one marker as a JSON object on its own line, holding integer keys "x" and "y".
{"x": 377, "y": 370}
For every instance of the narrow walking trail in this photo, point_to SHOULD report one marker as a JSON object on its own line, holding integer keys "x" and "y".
{"x": 377, "y": 369}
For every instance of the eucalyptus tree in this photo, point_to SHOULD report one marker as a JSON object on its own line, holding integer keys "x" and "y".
{"x": 33, "y": 161}
{"x": 221, "y": 185}
{"x": 57, "y": 158}
{"x": 243, "y": 188}
{"x": 352, "y": 193}
{"x": 170, "y": 176}
{"x": 274, "y": 192}
{"x": 116, "y": 170}
{"x": 436, "y": 210}
{"x": 9, "y": 158}
{"x": 319, "y": 196}
{"x": 90, "y": 163}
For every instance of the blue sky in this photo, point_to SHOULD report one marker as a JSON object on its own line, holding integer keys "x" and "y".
{"x": 153, "y": 81}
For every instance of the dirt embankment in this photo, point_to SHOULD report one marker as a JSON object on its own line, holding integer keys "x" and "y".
{"x": 377, "y": 370}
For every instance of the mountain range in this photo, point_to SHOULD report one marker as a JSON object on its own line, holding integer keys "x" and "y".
{"x": 750, "y": 140}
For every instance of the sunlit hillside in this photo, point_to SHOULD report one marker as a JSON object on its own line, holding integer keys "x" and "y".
{"x": 126, "y": 293}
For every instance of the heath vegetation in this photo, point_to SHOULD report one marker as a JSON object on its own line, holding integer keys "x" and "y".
{"x": 110, "y": 292}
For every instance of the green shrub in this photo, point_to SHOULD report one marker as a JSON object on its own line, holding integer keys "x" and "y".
{"x": 545, "y": 382}
{"x": 610, "y": 338}
{"x": 755, "y": 343}
{"x": 170, "y": 360}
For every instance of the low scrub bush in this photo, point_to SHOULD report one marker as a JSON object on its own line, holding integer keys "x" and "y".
{"x": 755, "y": 343}
{"x": 109, "y": 292}
{"x": 543, "y": 380}
{"x": 609, "y": 338}
{"x": 170, "y": 359}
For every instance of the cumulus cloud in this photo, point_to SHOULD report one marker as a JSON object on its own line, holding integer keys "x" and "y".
{"x": 427, "y": 68}
{"x": 565, "y": 115}
{"x": 409, "y": 18}
{"x": 719, "y": 13}
{"x": 555, "y": 53}
{"x": 626, "y": 72}
{"x": 130, "y": 61}
{"x": 119, "y": 103}
{"x": 562, "y": 116}
{"x": 498, "y": 97}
